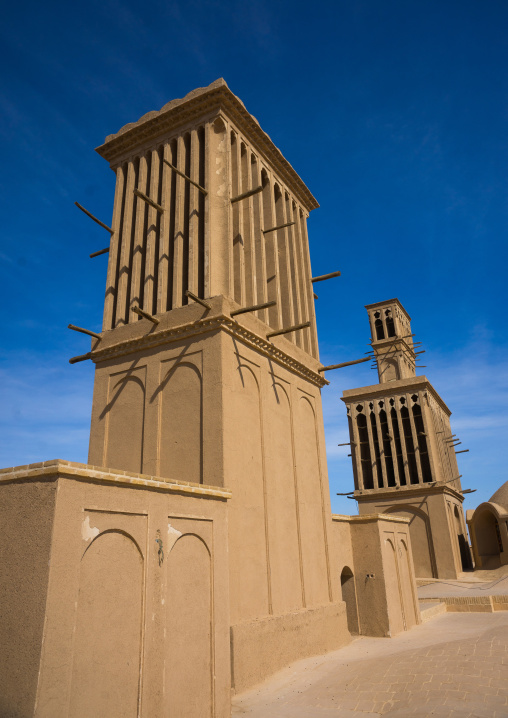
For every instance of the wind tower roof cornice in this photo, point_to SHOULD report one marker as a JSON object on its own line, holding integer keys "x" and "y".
{"x": 201, "y": 101}
{"x": 387, "y": 301}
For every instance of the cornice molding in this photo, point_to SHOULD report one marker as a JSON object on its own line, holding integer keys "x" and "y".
{"x": 216, "y": 97}
{"x": 205, "y": 326}
{"x": 405, "y": 492}
{"x": 395, "y": 388}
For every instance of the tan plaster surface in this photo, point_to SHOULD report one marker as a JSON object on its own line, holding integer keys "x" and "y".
{"x": 453, "y": 666}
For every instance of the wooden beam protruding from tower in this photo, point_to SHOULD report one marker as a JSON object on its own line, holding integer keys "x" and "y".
{"x": 287, "y": 330}
{"x": 89, "y": 214}
{"x": 253, "y": 308}
{"x": 144, "y": 314}
{"x": 186, "y": 178}
{"x": 346, "y": 363}
{"x": 149, "y": 201}
{"x": 245, "y": 195}
{"x": 84, "y": 331}
{"x": 322, "y": 277}
{"x": 197, "y": 299}
{"x": 101, "y": 251}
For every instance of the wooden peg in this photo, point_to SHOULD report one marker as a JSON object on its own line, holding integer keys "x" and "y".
{"x": 84, "y": 331}
{"x": 349, "y": 493}
{"x": 348, "y": 443}
{"x": 89, "y": 214}
{"x": 325, "y": 276}
{"x": 247, "y": 194}
{"x": 346, "y": 363}
{"x": 188, "y": 179}
{"x": 463, "y": 451}
{"x": 101, "y": 251}
{"x": 468, "y": 491}
{"x": 149, "y": 201}
{"x": 287, "y": 330}
{"x": 280, "y": 226}
{"x": 253, "y": 308}
{"x": 82, "y": 357}
{"x": 315, "y": 295}
{"x": 190, "y": 294}
{"x": 144, "y": 314}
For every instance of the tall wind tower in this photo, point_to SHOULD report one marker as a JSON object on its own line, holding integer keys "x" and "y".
{"x": 207, "y": 368}
{"x": 403, "y": 449}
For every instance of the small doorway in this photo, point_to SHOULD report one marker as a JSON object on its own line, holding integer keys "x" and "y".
{"x": 347, "y": 583}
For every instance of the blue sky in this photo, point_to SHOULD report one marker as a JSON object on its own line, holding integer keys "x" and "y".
{"x": 395, "y": 115}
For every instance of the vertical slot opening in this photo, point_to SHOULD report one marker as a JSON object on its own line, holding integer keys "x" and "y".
{"x": 365, "y": 458}
{"x": 201, "y": 213}
{"x": 398, "y": 447}
{"x": 119, "y": 246}
{"x": 410, "y": 447}
{"x": 387, "y": 448}
{"x": 186, "y": 218}
{"x": 135, "y": 208}
{"x": 377, "y": 452}
{"x": 172, "y": 220}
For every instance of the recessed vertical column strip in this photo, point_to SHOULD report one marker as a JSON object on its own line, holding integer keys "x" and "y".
{"x": 302, "y": 287}
{"x": 284, "y": 273}
{"x": 137, "y": 250}
{"x": 193, "y": 282}
{"x": 258, "y": 242}
{"x": 391, "y": 431}
{"x": 381, "y": 445}
{"x": 428, "y": 427}
{"x": 416, "y": 443}
{"x": 108, "y": 321}
{"x": 402, "y": 442}
{"x": 310, "y": 292}
{"x": 201, "y": 205}
{"x": 295, "y": 271}
{"x": 272, "y": 259}
{"x": 356, "y": 454}
{"x": 165, "y": 239}
{"x": 372, "y": 450}
{"x": 248, "y": 230}
{"x": 125, "y": 258}
{"x": 153, "y": 223}
{"x": 178, "y": 260}
{"x": 296, "y": 337}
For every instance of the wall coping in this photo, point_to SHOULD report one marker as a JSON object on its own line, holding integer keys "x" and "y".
{"x": 370, "y": 517}
{"x": 72, "y": 470}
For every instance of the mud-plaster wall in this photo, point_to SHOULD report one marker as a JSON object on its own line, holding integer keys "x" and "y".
{"x": 136, "y": 601}
{"x": 26, "y": 518}
{"x": 378, "y": 553}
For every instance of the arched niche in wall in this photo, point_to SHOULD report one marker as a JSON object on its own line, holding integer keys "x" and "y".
{"x": 108, "y": 629}
{"x": 488, "y": 538}
{"x": 126, "y": 419}
{"x": 181, "y": 423}
{"x": 246, "y": 513}
{"x": 283, "y": 537}
{"x": 390, "y": 370}
{"x": 310, "y": 500}
{"x": 189, "y": 635}
{"x": 422, "y": 546}
{"x": 348, "y": 589}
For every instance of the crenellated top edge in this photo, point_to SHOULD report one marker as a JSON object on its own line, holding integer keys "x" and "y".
{"x": 215, "y": 97}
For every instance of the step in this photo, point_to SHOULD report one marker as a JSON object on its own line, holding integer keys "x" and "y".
{"x": 431, "y": 609}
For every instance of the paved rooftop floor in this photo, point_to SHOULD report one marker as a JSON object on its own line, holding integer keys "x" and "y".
{"x": 476, "y": 583}
{"x": 454, "y": 666}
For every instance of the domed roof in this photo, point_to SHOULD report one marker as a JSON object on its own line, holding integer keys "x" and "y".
{"x": 500, "y": 497}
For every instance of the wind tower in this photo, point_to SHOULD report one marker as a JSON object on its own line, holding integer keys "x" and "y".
{"x": 207, "y": 368}
{"x": 403, "y": 449}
